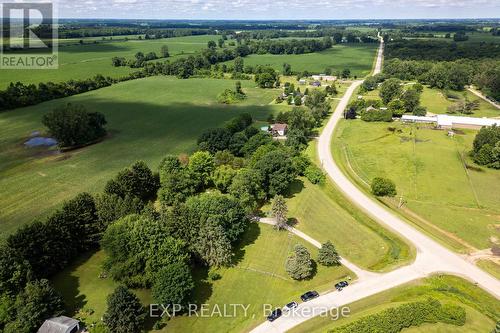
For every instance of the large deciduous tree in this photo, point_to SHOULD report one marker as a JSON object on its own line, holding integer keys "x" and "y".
{"x": 390, "y": 89}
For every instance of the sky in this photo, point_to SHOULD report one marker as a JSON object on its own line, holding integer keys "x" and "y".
{"x": 275, "y": 9}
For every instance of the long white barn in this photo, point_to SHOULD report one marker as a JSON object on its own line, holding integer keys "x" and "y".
{"x": 446, "y": 121}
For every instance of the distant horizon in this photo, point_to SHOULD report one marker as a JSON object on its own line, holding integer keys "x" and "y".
{"x": 259, "y": 10}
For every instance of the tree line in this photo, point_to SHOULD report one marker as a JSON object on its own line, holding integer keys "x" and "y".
{"x": 440, "y": 50}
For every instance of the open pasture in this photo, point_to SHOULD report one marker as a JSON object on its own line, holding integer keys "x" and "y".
{"x": 434, "y": 176}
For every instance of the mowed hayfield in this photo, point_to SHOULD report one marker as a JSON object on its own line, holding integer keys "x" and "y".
{"x": 147, "y": 119}
{"x": 481, "y": 308}
{"x": 357, "y": 58}
{"x": 257, "y": 277}
{"x": 435, "y": 177}
{"x": 85, "y": 61}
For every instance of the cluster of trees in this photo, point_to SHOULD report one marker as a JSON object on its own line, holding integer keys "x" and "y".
{"x": 19, "y": 95}
{"x": 445, "y": 65}
{"x": 407, "y": 315}
{"x": 140, "y": 58}
{"x": 397, "y": 97}
{"x": 267, "y": 77}
{"x": 486, "y": 147}
{"x": 72, "y": 126}
{"x": 443, "y": 75}
{"x": 300, "y": 266}
{"x": 229, "y": 96}
{"x": 293, "y": 46}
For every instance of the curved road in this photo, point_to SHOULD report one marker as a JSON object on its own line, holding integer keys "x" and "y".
{"x": 431, "y": 257}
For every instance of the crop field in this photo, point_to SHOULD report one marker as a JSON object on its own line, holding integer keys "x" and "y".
{"x": 358, "y": 58}
{"x": 259, "y": 261}
{"x": 481, "y": 308}
{"x": 85, "y": 61}
{"x": 434, "y": 176}
{"x": 147, "y": 119}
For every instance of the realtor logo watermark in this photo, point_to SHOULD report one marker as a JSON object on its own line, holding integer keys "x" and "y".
{"x": 28, "y": 36}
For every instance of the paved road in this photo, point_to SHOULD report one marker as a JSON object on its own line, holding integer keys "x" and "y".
{"x": 431, "y": 257}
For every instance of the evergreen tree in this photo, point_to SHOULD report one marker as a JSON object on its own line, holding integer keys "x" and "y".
{"x": 125, "y": 313}
{"x": 328, "y": 255}
{"x": 299, "y": 264}
{"x": 279, "y": 211}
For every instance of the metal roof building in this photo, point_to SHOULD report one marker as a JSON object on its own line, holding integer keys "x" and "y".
{"x": 447, "y": 121}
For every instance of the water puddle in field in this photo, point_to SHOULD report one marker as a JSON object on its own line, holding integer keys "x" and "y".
{"x": 39, "y": 141}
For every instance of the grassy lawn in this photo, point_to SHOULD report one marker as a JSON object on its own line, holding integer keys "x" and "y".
{"x": 481, "y": 308}
{"x": 358, "y": 58}
{"x": 147, "y": 119}
{"x": 491, "y": 267}
{"x": 258, "y": 278}
{"x": 85, "y": 61}
{"x": 428, "y": 169}
{"x": 324, "y": 214}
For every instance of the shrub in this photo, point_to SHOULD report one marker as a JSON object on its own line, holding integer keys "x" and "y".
{"x": 382, "y": 187}
{"x": 404, "y": 316}
{"x": 314, "y": 174}
{"x": 376, "y": 115}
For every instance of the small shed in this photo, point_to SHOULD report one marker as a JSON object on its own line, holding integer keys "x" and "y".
{"x": 60, "y": 324}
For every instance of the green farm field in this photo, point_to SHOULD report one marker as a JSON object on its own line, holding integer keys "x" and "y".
{"x": 147, "y": 119}
{"x": 458, "y": 204}
{"x": 260, "y": 261}
{"x": 85, "y": 61}
{"x": 481, "y": 308}
{"x": 358, "y": 58}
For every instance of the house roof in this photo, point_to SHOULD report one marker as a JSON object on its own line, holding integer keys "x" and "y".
{"x": 57, "y": 325}
{"x": 279, "y": 127}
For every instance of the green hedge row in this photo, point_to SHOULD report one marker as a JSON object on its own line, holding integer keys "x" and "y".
{"x": 395, "y": 319}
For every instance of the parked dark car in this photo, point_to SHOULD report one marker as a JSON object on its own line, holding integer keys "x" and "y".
{"x": 290, "y": 306}
{"x": 341, "y": 285}
{"x": 274, "y": 315}
{"x": 309, "y": 296}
